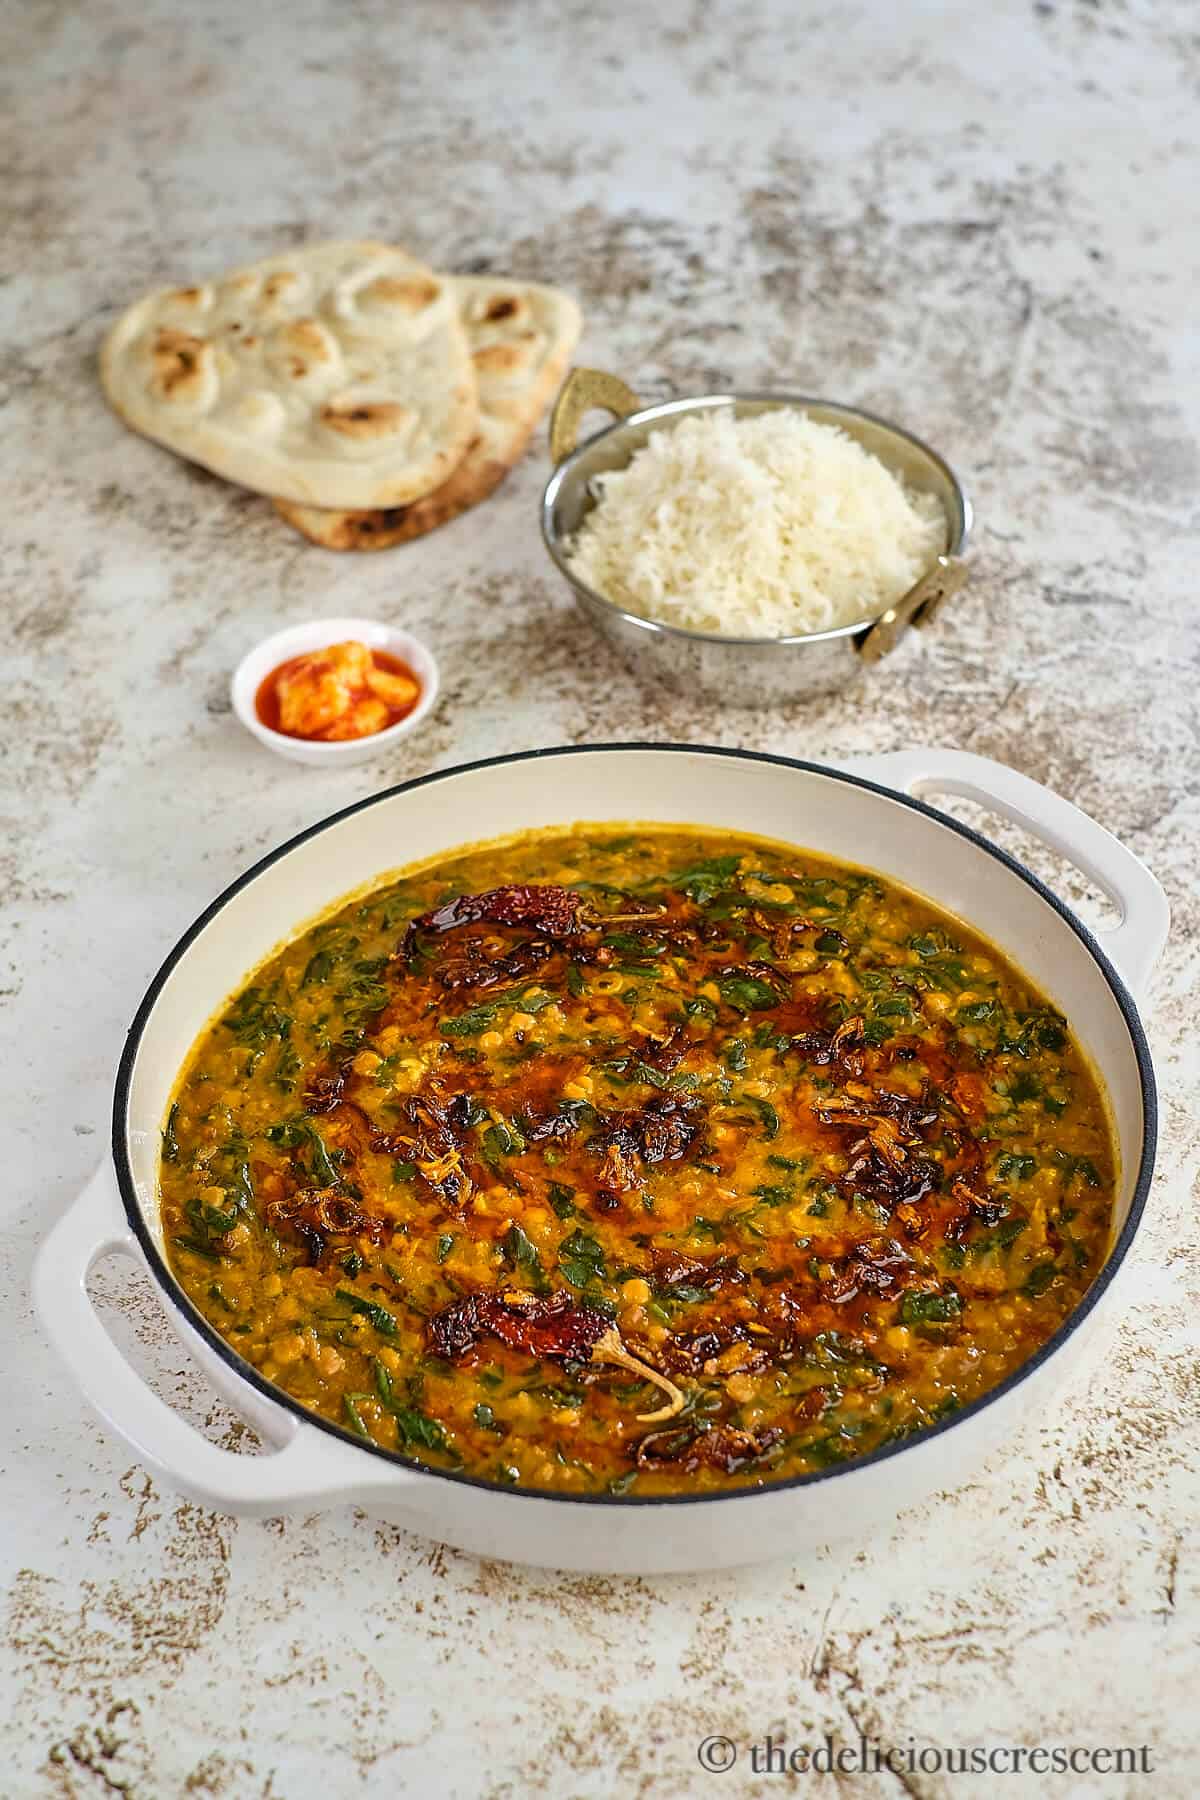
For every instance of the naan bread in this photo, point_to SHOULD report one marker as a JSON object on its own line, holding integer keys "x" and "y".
{"x": 521, "y": 337}
{"x": 336, "y": 375}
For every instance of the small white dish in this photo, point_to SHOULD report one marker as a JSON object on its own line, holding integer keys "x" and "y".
{"x": 298, "y": 640}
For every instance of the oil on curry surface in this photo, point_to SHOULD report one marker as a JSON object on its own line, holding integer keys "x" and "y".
{"x": 639, "y": 1162}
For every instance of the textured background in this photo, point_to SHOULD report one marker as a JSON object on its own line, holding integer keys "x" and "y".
{"x": 980, "y": 218}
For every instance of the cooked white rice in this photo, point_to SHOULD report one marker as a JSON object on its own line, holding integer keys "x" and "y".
{"x": 756, "y": 527}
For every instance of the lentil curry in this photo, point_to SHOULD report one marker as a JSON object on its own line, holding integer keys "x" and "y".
{"x": 638, "y": 1161}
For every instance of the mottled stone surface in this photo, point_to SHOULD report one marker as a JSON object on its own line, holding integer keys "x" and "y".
{"x": 978, "y": 218}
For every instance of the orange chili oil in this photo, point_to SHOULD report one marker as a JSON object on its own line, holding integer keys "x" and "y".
{"x": 387, "y": 710}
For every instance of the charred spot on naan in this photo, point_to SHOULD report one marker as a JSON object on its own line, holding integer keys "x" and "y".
{"x": 367, "y": 419}
{"x": 410, "y": 294}
{"x": 507, "y": 359}
{"x": 192, "y": 299}
{"x": 502, "y": 308}
{"x": 181, "y": 366}
{"x": 281, "y": 290}
{"x": 304, "y": 347}
{"x": 355, "y": 530}
{"x": 308, "y": 337}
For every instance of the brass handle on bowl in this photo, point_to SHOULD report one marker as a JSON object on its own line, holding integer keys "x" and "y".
{"x": 583, "y": 390}
{"x": 920, "y": 607}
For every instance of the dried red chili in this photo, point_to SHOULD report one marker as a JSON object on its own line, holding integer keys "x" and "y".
{"x": 557, "y": 1326}
{"x": 554, "y": 911}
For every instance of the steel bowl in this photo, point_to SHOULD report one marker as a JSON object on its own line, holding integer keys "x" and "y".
{"x": 739, "y": 670}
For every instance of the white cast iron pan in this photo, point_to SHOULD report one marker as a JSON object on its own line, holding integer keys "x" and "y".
{"x": 847, "y": 814}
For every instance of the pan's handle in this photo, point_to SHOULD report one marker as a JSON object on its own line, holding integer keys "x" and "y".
{"x": 582, "y": 392}
{"x": 309, "y": 1469}
{"x": 919, "y": 607}
{"x": 1136, "y": 943}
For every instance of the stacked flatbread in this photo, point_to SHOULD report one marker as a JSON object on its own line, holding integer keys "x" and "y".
{"x": 371, "y": 398}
